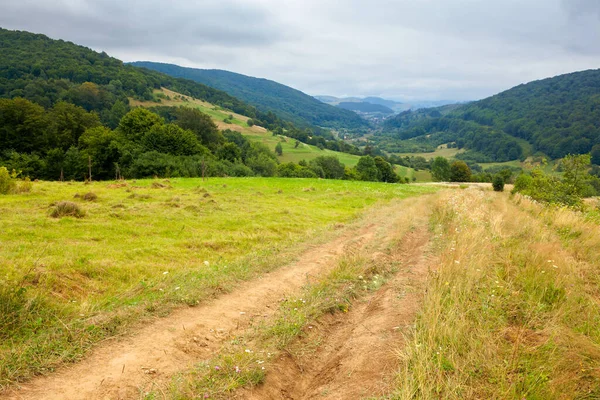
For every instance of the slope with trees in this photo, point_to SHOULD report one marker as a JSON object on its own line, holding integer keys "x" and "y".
{"x": 266, "y": 95}
{"x": 555, "y": 116}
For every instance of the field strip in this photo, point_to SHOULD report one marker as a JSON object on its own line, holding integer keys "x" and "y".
{"x": 357, "y": 352}
{"x": 161, "y": 349}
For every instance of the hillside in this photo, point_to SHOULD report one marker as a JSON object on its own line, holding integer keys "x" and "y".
{"x": 67, "y": 112}
{"x": 266, "y": 95}
{"x": 47, "y": 71}
{"x": 291, "y": 152}
{"x": 555, "y": 116}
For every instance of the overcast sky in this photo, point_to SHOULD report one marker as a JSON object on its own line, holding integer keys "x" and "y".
{"x": 401, "y": 49}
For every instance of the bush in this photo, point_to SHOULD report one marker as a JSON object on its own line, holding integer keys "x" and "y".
{"x": 460, "y": 172}
{"x": 498, "y": 183}
{"x": 66, "y": 209}
{"x": 7, "y": 181}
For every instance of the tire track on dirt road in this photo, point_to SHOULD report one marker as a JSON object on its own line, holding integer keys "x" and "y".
{"x": 126, "y": 368}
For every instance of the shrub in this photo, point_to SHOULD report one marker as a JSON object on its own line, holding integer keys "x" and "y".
{"x": 7, "y": 181}
{"x": 66, "y": 209}
{"x": 498, "y": 183}
{"x": 460, "y": 172}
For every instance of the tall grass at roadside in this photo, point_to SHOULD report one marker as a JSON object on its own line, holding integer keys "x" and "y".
{"x": 142, "y": 249}
{"x": 510, "y": 312}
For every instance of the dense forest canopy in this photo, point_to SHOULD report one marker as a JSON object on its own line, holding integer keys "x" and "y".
{"x": 286, "y": 102}
{"x": 555, "y": 116}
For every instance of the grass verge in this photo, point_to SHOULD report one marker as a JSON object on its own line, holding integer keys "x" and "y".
{"x": 512, "y": 311}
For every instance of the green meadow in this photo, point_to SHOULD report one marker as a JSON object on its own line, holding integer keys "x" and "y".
{"x": 143, "y": 247}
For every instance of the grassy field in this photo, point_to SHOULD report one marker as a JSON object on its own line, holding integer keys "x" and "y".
{"x": 291, "y": 153}
{"x": 512, "y": 310}
{"x": 144, "y": 247}
{"x": 441, "y": 151}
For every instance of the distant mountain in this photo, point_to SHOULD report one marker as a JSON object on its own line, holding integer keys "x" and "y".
{"x": 365, "y": 107}
{"x": 555, "y": 116}
{"x": 266, "y": 95}
{"x": 396, "y": 106}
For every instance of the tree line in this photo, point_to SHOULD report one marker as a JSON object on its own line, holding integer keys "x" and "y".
{"x": 70, "y": 143}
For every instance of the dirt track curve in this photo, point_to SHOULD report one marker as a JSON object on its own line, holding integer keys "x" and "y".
{"x": 361, "y": 344}
{"x": 358, "y": 354}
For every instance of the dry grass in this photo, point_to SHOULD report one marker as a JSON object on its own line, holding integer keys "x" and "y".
{"x": 512, "y": 311}
{"x": 66, "y": 209}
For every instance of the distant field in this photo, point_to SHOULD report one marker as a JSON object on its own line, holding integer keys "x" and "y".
{"x": 145, "y": 246}
{"x": 441, "y": 151}
{"x": 259, "y": 134}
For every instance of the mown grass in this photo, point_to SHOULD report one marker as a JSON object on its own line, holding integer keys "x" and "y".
{"x": 144, "y": 247}
{"x": 440, "y": 151}
{"x": 512, "y": 310}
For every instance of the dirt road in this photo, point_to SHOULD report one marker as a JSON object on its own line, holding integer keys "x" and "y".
{"x": 362, "y": 345}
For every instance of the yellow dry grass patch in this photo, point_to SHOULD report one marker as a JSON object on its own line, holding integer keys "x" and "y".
{"x": 512, "y": 310}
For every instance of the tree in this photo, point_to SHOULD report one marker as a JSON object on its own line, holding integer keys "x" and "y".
{"x": 367, "y": 169}
{"x": 279, "y": 149}
{"x": 69, "y": 122}
{"x": 575, "y": 174}
{"x": 101, "y": 145}
{"x": 230, "y": 152}
{"x": 460, "y": 172}
{"x": 328, "y": 167}
{"x": 137, "y": 122}
{"x": 595, "y": 155}
{"x": 386, "y": 171}
{"x": 440, "y": 169}
{"x": 23, "y": 126}
{"x": 498, "y": 183}
{"x": 201, "y": 124}
{"x": 172, "y": 139}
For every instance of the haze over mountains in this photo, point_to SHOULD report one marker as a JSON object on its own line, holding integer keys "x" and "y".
{"x": 393, "y": 105}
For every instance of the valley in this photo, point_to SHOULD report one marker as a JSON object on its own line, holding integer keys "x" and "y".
{"x": 174, "y": 230}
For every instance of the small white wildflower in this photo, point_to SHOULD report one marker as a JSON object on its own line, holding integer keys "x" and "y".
{"x": 248, "y": 351}
{"x": 206, "y": 263}
{"x": 177, "y": 288}
{"x": 165, "y": 273}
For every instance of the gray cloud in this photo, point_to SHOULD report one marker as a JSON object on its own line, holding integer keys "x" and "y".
{"x": 412, "y": 49}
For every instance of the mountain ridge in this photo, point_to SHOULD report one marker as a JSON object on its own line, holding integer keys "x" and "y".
{"x": 266, "y": 95}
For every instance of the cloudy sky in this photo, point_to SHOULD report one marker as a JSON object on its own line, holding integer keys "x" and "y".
{"x": 402, "y": 49}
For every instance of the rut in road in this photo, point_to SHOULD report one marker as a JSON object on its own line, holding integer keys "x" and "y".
{"x": 148, "y": 359}
{"x": 358, "y": 352}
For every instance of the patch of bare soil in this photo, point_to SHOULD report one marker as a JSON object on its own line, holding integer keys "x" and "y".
{"x": 356, "y": 355}
{"x": 148, "y": 359}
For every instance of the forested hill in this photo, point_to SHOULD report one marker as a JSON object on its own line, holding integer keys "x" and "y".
{"x": 46, "y": 71}
{"x": 286, "y": 102}
{"x": 556, "y": 116}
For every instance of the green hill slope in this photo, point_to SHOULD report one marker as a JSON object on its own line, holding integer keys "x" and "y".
{"x": 47, "y": 71}
{"x": 266, "y": 95}
{"x": 555, "y": 116}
